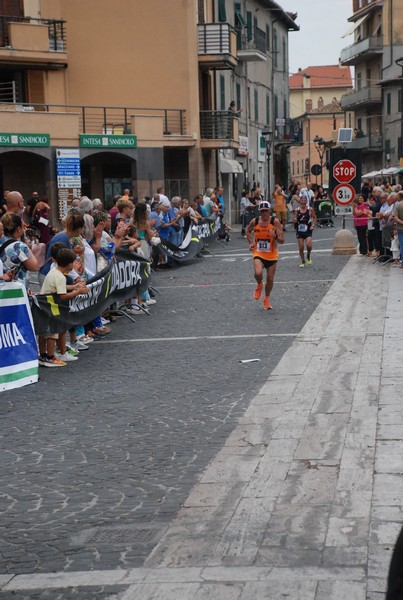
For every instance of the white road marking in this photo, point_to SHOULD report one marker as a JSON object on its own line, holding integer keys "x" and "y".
{"x": 197, "y": 285}
{"x": 199, "y": 337}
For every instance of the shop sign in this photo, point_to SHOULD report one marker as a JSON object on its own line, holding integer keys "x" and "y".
{"x": 261, "y": 146}
{"x": 243, "y": 149}
{"x": 108, "y": 141}
{"x": 24, "y": 139}
{"x": 68, "y": 171}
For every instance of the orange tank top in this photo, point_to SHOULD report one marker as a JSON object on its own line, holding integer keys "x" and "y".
{"x": 264, "y": 244}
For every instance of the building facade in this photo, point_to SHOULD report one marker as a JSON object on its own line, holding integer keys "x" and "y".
{"x": 95, "y": 100}
{"x": 377, "y": 57}
{"x": 315, "y": 94}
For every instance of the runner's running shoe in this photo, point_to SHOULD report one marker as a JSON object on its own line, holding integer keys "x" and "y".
{"x": 258, "y": 291}
{"x": 266, "y": 303}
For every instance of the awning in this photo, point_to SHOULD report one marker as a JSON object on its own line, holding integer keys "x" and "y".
{"x": 388, "y": 171}
{"x": 228, "y": 165}
{"x": 354, "y": 26}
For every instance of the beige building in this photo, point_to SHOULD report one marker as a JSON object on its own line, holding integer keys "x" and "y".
{"x": 376, "y": 54}
{"x": 96, "y": 97}
{"x": 315, "y": 94}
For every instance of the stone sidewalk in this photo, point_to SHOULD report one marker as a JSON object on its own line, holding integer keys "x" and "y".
{"x": 304, "y": 500}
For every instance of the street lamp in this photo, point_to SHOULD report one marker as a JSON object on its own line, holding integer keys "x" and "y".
{"x": 320, "y": 148}
{"x": 268, "y": 133}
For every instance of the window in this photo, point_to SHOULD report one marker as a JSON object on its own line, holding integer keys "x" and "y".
{"x": 358, "y": 81}
{"x": 268, "y": 38}
{"x": 222, "y": 14}
{"x": 388, "y": 103}
{"x": 238, "y": 96}
{"x": 399, "y": 101}
{"x": 249, "y": 32}
{"x": 256, "y": 98}
{"x": 387, "y": 147}
{"x": 268, "y": 111}
{"x": 275, "y": 47}
{"x": 222, "y": 92}
{"x": 284, "y": 56}
{"x": 275, "y": 107}
{"x": 285, "y": 108}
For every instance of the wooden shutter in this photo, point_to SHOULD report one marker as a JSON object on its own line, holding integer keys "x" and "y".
{"x": 35, "y": 88}
{"x": 12, "y": 8}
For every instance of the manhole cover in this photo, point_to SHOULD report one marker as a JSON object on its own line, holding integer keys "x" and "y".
{"x": 123, "y": 536}
{"x": 129, "y": 535}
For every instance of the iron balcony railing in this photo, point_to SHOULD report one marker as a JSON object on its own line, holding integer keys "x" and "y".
{"x": 366, "y": 95}
{"x": 260, "y": 40}
{"x": 10, "y": 92}
{"x": 370, "y": 45}
{"x": 288, "y": 132}
{"x": 214, "y": 38}
{"x": 372, "y": 142}
{"x": 111, "y": 119}
{"x": 56, "y": 29}
{"x": 217, "y": 125}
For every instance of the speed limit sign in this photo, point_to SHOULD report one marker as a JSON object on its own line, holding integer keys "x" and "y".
{"x": 343, "y": 194}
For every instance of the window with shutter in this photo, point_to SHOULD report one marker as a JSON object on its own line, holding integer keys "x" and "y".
{"x": 12, "y": 8}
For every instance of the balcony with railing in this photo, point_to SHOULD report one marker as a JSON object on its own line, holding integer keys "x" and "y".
{"x": 361, "y": 50}
{"x": 33, "y": 42}
{"x": 366, "y": 96}
{"x": 288, "y": 132}
{"x": 253, "y": 50}
{"x": 218, "y": 129}
{"x": 368, "y": 143}
{"x": 64, "y": 123}
{"x": 217, "y": 46}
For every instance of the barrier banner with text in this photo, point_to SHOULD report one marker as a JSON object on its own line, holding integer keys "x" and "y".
{"x": 197, "y": 236}
{"x": 125, "y": 277}
{"x": 18, "y": 353}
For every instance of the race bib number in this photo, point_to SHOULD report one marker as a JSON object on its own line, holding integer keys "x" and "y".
{"x": 302, "y": 228}
{"x": 263, "y": 246}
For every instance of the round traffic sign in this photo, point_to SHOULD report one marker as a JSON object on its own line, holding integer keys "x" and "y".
{"x": 343, "y": 194}
{"x": 316, "y": 170}
{"x": 344, "y": 171}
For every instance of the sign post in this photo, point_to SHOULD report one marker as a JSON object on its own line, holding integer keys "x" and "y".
{"x": 68, "y": 168}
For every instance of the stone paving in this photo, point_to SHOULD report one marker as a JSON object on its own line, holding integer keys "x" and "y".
{"x": 302, "y": 496}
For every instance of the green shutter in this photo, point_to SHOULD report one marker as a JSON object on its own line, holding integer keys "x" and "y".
{"x": 249, "y": 31}
{"x": 238, "y": 96}
{"x": 275, "y": 107}
{"x": 387, "y": 146}
{"x": 275, "y": 47}
{"x": 268, "y": 111}
{"x": 222, "y": 15}
{"x": 222, "y": 92}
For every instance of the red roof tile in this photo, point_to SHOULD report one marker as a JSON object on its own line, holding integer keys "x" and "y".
{"x": 323, "y": 77}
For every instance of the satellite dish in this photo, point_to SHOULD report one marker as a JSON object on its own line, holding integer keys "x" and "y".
{"x": 345, "y": 135}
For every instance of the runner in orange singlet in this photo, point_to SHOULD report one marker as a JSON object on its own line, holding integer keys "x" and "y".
{"x": 267, "y": 232}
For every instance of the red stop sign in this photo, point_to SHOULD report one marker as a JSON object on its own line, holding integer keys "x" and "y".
{"x": 344, "y": 171}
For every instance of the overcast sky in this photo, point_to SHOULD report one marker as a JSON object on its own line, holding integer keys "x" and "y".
{"x": 322, "y": 24}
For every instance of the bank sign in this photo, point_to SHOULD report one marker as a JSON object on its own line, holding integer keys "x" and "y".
{"x": 108, "y": 141}
{"x": 24, "y": 139}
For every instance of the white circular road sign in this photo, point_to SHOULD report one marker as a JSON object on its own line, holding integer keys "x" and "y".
{"x": 343, "y": 194}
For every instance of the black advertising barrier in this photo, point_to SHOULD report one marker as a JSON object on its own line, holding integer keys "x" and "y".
{"x": 198, "y": 236}
{"x": 353, "y": 155}
{"x": 125, "y": 277}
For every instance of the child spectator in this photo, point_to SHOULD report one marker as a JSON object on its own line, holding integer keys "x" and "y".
{"x": 395, "y": 247}
{"x": 55, "y": 283}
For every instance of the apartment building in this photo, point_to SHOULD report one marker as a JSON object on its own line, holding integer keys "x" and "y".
{"x": 97, "y": 97}
{"x": 377, "y": 57}
{"x": 315, "y": 94}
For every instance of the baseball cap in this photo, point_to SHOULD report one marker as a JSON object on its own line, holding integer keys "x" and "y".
{"x": 264, "y": 205}
{"x": 304, "y": 196}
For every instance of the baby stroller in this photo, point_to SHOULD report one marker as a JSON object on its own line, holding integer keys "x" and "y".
{"x": 324, "y": 214}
